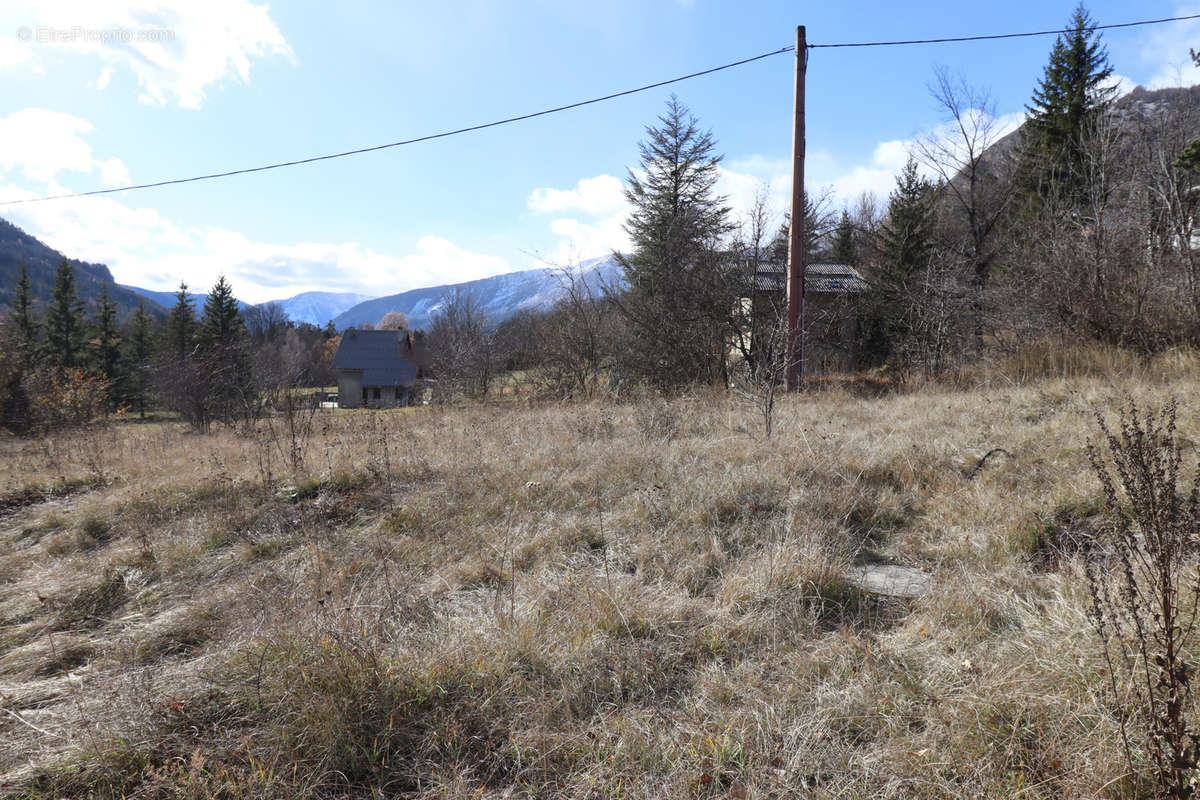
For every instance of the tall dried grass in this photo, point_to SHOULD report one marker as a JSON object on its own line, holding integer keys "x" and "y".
{"x": 565, "y": 601}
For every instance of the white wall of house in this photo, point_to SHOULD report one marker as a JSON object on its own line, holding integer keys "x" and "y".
{"x": 349, "y": 389}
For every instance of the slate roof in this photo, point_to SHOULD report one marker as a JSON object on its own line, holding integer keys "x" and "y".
{"x": 819, "y": 278}
{"x": 379, "y": 354}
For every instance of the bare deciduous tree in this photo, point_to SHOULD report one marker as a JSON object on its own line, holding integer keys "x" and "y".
{"x": 462, "y": 346}
{"x": 574, "y": 339}
{"x": 977, "y": 185}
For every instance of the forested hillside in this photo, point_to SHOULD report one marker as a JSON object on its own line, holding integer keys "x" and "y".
{"x": 41, "y": 260}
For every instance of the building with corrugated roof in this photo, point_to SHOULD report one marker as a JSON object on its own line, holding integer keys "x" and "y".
{"x": 832, "y": 293}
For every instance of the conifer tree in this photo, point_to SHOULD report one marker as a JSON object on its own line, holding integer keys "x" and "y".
{"x": 139, "y": 347}
{"x": 844, "y": 251}
{"x": 105, "y": 353}
{"x": 222, "y": 341}
{"x": 905, "y": 242}
{"x": 23, "y": 319}
{"x": 1068, "y": 101}
{"x": 181, "y": 325}
{"x": 905, "y": 236}
{"x": 221, "y": 325}
{"x": 64, "y": 320}
{"x": 679, "y": 297}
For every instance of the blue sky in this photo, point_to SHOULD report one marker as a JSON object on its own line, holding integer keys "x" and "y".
{"x": 100, "y": 94}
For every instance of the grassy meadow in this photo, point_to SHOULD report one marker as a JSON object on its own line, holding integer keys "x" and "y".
{"x": 604, "y": 600}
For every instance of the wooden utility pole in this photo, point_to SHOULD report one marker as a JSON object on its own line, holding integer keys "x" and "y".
{"x": 795, "y": 285}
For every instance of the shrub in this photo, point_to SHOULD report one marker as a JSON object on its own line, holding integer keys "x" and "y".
{"x": 65, "y": 398}
{"x": 1145, "y": 611}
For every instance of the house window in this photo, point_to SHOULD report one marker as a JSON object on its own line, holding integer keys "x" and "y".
{"x": 364, "y": 394}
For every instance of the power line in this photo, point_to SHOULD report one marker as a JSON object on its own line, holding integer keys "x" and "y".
{"x": 403, "y": 142}
{"x": 569, "y": 106}
{"x": 1008, "y": 35}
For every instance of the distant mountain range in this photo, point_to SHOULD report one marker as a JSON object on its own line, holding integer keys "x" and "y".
{"x": 318, "y": 308}
{"x": 167, "y": 299}
{"x": 501, "y": 296}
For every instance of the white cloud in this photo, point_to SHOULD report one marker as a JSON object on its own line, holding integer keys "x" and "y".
{"x": 13, "y": 53}
{"x": 144, "y": 249}
{"x": 41, "y": 143}
{"x": 1164, "y": 51}
{"x": 176, "y": 49}
{"x": 601, "y": 199}
{"x": 1122, "y": 83}
{"x": 113, "y": 172}
{"x": 598, "y": 196}
{"x": 877, "y": 175}
{"x": 740, "y": 181}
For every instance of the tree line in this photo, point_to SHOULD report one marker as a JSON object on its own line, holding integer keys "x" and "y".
{"x": 1079, "y": 228}
{"x": 65, "y": 367}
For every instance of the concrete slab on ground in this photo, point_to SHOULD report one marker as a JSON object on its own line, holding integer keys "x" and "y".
{"x": 894, "y": 580}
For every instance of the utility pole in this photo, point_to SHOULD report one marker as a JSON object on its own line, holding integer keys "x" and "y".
{"x": 795, "y": 285}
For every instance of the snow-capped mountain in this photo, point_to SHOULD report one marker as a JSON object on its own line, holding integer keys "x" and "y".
{"x": 502, "y": 296}
{"x": 317, "y": 308}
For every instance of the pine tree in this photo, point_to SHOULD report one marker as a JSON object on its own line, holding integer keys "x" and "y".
{"x": 1069, "y": 99}
{"x": 181, "y": 325}
{"x": 64, "y": 320}
{"x": 845, "y": 250}
{"x": 23, "y": 319}
{"x": 221, "y": 325}
{"x": 679, "y": 297}
{"x": 905, "y": 242}
{"x": 905, "y": 236}
{"x": 222, "y": 342}
{"x": 105, "y": 354}
{"x": 139, "y": 347}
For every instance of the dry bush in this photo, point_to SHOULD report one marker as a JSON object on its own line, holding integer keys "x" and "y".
{"x": 1145, "y": 613}
{"x": 65, "y": 398}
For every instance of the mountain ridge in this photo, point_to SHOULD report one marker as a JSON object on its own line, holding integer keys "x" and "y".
{"x": 502, "y": 296}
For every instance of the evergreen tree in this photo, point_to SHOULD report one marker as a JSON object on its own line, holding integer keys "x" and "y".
{"x": 181, "y": 325}
{"x": 905, "y": 243}
{"x": 105, "y": 353}
{"x": 905, "y": 236}
{"x": 1189, "y": 159}
{"x": 223, "y": 343}
{"x": 64, "y": 320}
{"x": 816, "y": 223}
{"x": 139, "y": 347}
{"x": 1068, "y": 101}
{"x": 845, "y": 250}
{"x": 221, "y": 325}
{"x": 680, "y": 295}
{"x": 23, "y": 320}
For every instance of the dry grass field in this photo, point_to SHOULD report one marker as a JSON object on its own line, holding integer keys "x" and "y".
{"x": 606, "y": 600}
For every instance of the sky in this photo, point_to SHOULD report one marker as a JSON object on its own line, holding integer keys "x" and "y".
{"x": 102, "y": 94}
